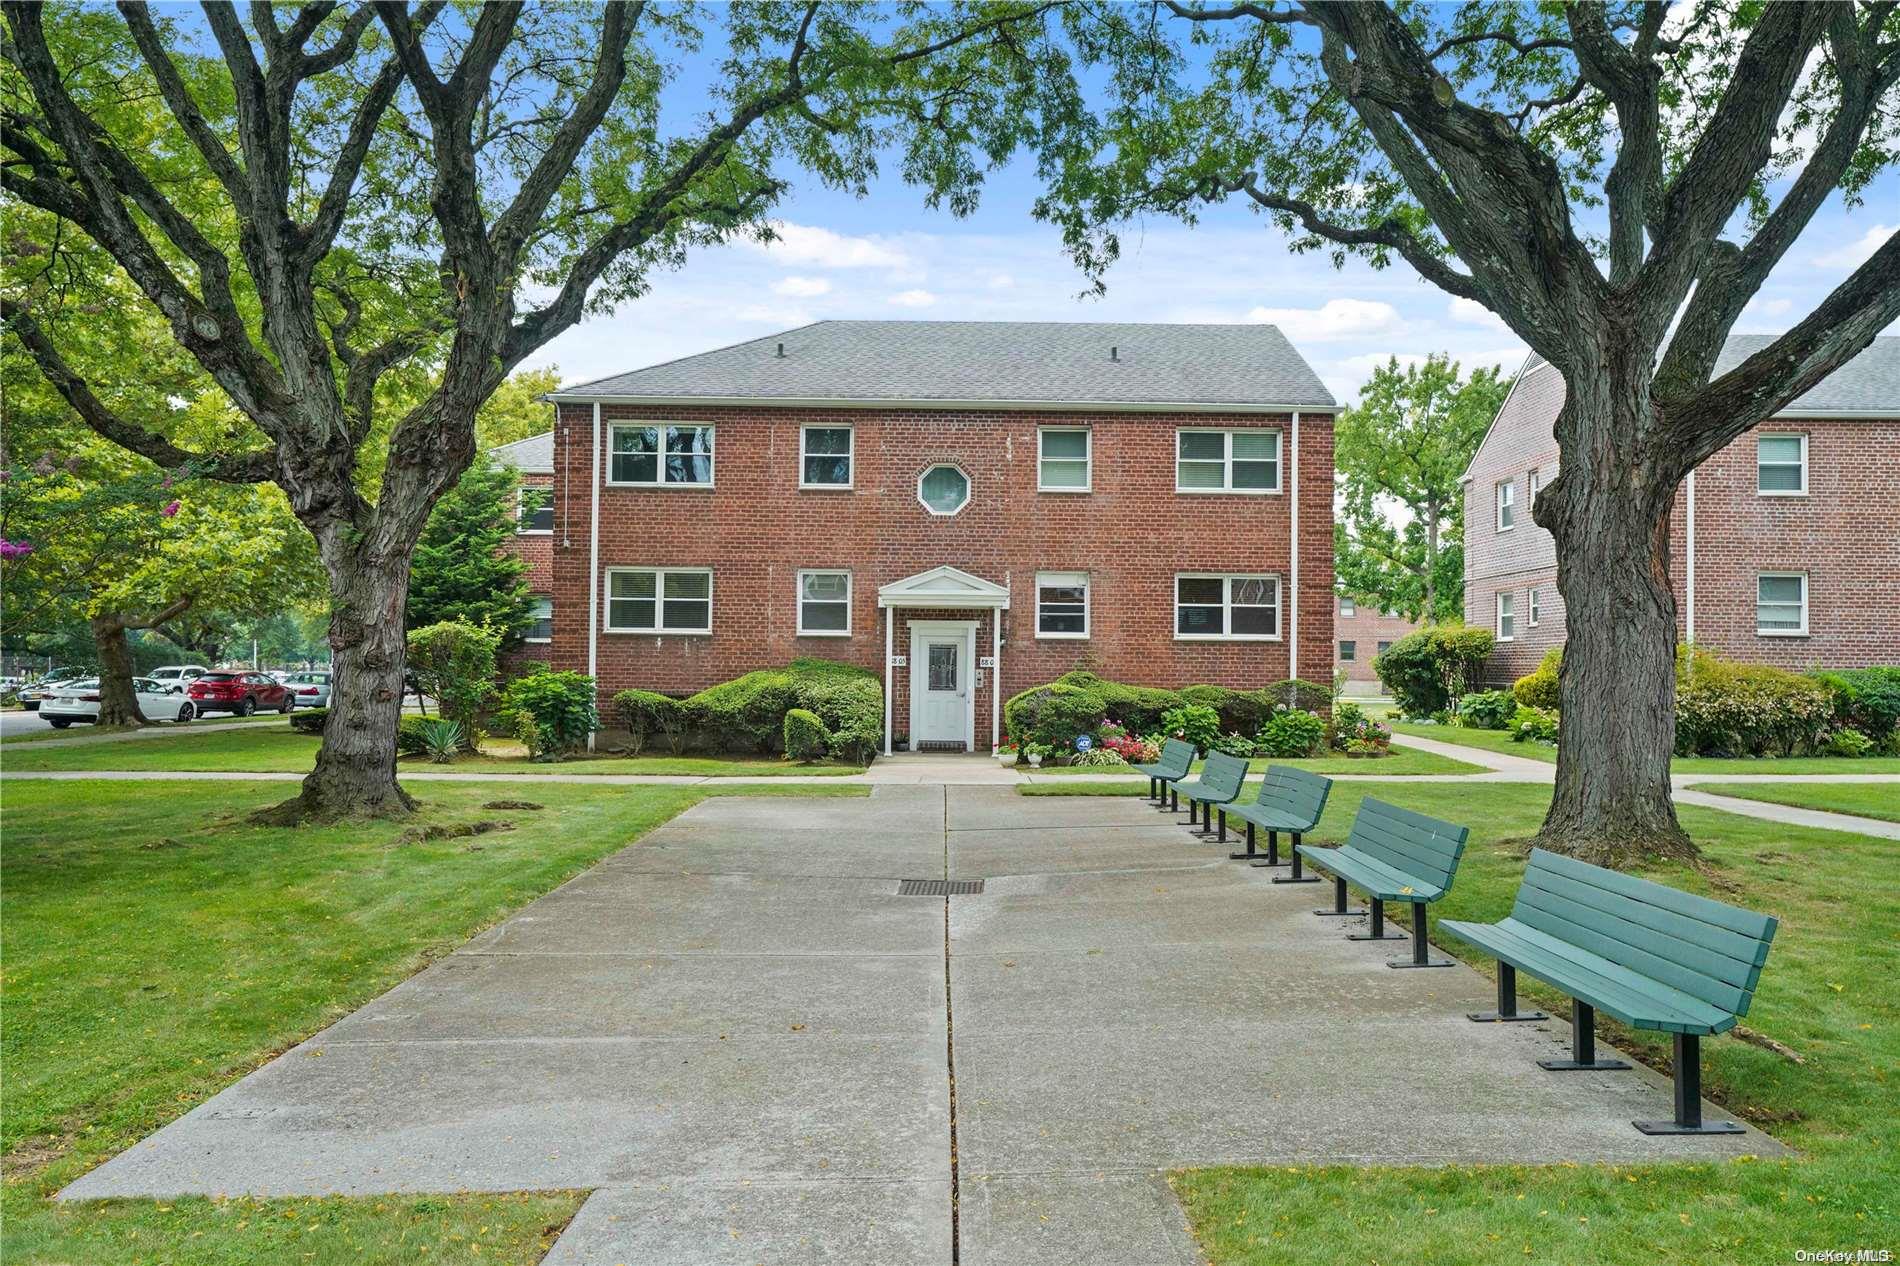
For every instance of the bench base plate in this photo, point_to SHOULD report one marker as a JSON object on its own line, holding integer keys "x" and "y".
{"x": 1572, "y": 1066}
{"x": 1289, "y": 879}
{"x": 1406, "y": 962}
{"x": 1330, "y": 913}
{"x": 1383, "y": 936}
{"x": 1670, "y": 1127}
{"x": 1497, "y": 1017}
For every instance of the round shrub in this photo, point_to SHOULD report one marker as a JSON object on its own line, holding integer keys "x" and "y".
{"x": 553, "y": 713}
{"x": 412, "y": 736}
{"x": 1539, "y": 689}
{"x": 806, "y": 738}
{"x": 1867, "y": 700}
{"x": 1192, "y": 723}
{"x": 1139, "y": 708}
{"x": 645, "y": 714}
{"x": 1308, "y": 696}
{"x": 1053, "y": 714}
{"x": 309, "y": 720}
{"x": 1534, "y": 725}
{"x": 1850, "y": 743}
{"x": 1488, "y": 709}
{"x": 1291, "y": 733}
{"x": 1725, "y": 708}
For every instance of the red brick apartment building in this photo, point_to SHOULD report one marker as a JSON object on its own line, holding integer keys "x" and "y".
{"x": 968, "y": 507}
{"x": 1362, "y": 630}
{"x": 1784, "y": 546}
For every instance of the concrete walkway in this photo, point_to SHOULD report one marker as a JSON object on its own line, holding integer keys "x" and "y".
{"x": 750, "y": 1047}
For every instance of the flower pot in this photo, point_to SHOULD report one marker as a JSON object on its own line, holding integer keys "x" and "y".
{"x": 1005, "y": 759}
{"x": 1035, "y": 760}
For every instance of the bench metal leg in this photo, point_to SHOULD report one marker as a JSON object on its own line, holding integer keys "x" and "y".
{"x": 1273, "y": 849}
{"x": 1688, "y": 1096}
{"x": 1298, "y": 876}
{"x": 1378, "y": 932}
{"x": 1206, "y": 827}
{"x": 1507, "y": 1001}
{"x": 1421, "y": 949}
{"x": 1583, "y": 1045}
{"x": 1223, "y": 826}
{"x": 1174, "y": 801}
{"x": 1339, "y": 910}
{"x": 1250, "y": 854}
{"x": 1162, "y": 791}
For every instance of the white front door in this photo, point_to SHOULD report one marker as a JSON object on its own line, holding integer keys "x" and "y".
{"x": 939, "y": 685}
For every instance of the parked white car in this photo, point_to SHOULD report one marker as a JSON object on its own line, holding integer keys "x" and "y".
{"x": 79, "y": 701}
{"x": 176, "y": 678}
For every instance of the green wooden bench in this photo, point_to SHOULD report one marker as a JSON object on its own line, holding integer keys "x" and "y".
{"x": 1220, "y": 781}
{"x": 1290, "y": 800}
{"x": 1177, "y": 757}
{"x": 1641, "y": 952}
{"x": 1394, "y": 855}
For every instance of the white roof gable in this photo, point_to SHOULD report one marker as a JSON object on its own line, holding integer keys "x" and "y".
{"x": 943, "y": 587}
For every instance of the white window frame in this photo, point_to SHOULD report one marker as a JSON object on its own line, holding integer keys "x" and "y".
{"x": 1802, "y": 491}
{"x": 1069, "y": 578}
{"x": 1504, "y": 497}
{"x": 1533, "y": 485}
{"x": 521, "y": 517}
{"x": 540, "y": 598}
{"x": 850, "y": 457}
{"x": 1348, "y": 609}
{"x": 1531, "y": 613}
{"x": 1088, "y": 458}
{"x": 798, "y": 596}
{"x": 1227, "y": 488}
{"x": 659, "y": 466}
{"x": 1781, "y": 575}
{"x": 1345, "y": 656}
{"x": 969, "y": 490}
{"x": 659, "y": 601}
{"x": 1227, "y": 580}
{"x": 1507, "y": 610}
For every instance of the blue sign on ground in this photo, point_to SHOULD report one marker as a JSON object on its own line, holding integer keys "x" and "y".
{"x": 1084, "y": 742}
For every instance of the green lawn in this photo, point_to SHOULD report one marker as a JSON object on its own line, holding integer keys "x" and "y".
{"x": 1402, "y": 761}
{"x": 1826, "y": 992}
{"x": 158, "y": 947}
{"x": 1500, "y": 741}
{"x": 1867, "y": 800}
{"x": 278, "y": 748}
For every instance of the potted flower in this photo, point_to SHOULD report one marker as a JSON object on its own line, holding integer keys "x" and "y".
{"x": 1035, "y": 752}
{"x": 900, "y": 742}
{"x": 1007, "y": 751}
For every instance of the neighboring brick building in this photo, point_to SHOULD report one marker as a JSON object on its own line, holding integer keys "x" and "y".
{"x": 1784, "y": 546}
{"x": 1362, "y": 630}
{"x": 533, "y": 461}
{"x": 949, "y": 502}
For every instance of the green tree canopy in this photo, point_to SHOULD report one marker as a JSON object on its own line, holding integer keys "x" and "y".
{"x": 461, "y": 573}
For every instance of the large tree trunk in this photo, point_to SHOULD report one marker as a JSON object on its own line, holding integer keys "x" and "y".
{"x": 118, "y": 701}
{"x": 1617, "y": 687}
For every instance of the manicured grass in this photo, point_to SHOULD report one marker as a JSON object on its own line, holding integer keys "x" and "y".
{"x": 1400, "y": 763}
{"x": 280, "y": 749}
{"x": 1826, "y": 992}
{"x": 1866, "y": 800}
{"x": 1500, "y": 741}
{"x": 158, "y": 947}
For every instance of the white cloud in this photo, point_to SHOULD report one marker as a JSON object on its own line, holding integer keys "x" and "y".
{"x": 1333, "y": 320}
{"x": 801, "y": 287}
{"x": 1759, "y": 306}
{"x": 1856, "y": 253}
{"x": 913, "y": 299}
{"x": 821, "y": 248}
{"x": 773, "y": 314}
{"x": 1471, "y": 312}
{"x": 1002, "y": 281}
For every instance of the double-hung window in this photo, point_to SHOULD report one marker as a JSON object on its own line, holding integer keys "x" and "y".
{"x": 1227, "y": 461}
{"x": 1781, "y": 465}
{"x": 1237, "y": 607}
{"x": 1348, "y": 652}
{"x": 654, "y": 456}
{"x": 824, "y": 457}
{"x": 1062, "y": 460}
{"x": 1062, "y": 604}
{"x": 659, "y": 600}
{"x": 1533, "y": 613}
{"x": 824, "y": 604}
{"x": 1781, "y": 604}
{"x": 1348, "y": 608}
{"x": 1507, "y": 504}
{"x": 534, "y": 511}
{"x": 540, "y": 621}
{"x": 1507, "y": 617}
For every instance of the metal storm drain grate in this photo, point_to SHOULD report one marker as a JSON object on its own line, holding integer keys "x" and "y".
{"x": 938, "y": 887}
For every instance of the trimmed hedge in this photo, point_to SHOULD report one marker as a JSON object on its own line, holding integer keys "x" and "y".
{"x": 1724, "y": 708}
{"x": 747, "y": 714}
{"x": 645, "y": 714}
{"x": 309, "y": 720}
{"x": 1053, "y": 714}
{"x": 1867, "y": 700}
{"x": 1539, "y": 689}
{"x": 1426, "y": 670}
{"x": 806, "y": 738}
{"x": 1141, "y": 709}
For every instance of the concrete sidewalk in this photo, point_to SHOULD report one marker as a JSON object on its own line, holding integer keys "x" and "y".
{"x": 748, "y": 1045}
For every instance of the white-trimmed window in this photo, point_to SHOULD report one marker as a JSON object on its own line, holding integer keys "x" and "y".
{"x": 1348, "y": 608}
{"x": 1384, "y": 647}
{"x": 1507, "y": 504}
{"x": 825, "y": 456}
{"x": 824, "y": 604}
{"x": 1536, "y": 484}
{"x": 1781, "y": 604}
{"x": 1062, "y": 604}
{"x": 1533, "y": 613}
{"x": 943, "y": 489}
{"x": 1348, "y": 652}
{"x": 1227, "y": 461}
{"x": 1062, "y": 459}
{"x": 1781, "y": 465}
{"x": 540, "y": 621}
{"x": 644, "y": 455}
{"x": 1507, "y": 617}
{"x": 534, "y": 511}
{"x": 1241, "y": 608}
{"x": 659, "y": 600}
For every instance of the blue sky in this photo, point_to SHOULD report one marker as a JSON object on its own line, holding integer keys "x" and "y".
{"x": 887, "y": 256}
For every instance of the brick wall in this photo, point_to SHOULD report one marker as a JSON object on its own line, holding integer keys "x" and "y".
{"x": 756, "y": 529}
{"x": 1844, "y": 534}
{"x": 1365, "y": 628}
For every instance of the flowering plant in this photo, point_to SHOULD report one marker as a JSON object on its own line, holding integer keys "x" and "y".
{"x": 1006, "y": 746}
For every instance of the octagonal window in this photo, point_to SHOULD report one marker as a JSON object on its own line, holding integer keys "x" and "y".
{"x": 944, "y": 490}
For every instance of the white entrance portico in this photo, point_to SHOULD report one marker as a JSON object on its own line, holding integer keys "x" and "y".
{"x": 945, "y": 659}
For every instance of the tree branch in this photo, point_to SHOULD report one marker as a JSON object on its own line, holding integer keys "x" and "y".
{"x": 178, "y": 98}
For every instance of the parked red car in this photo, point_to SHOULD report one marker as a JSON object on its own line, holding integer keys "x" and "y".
{"x": 239, "y": 693}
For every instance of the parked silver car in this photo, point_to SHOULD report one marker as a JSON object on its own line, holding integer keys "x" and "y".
{"x": 49, "y": 684}
{"x": 310, "y": 689}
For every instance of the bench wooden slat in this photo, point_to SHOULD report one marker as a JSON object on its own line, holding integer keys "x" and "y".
{"x": 1667, "y": 962}
{"x": 1222, "y": 777}
{"x": 1734, "y": 918}
{"x": 1177, "y": 757}
{"x": 1374, "y": 840}
{"x": 1374, "y": 876}
{"x": 1289, "y": 800}
{"x": 1408, "y": 841}
{"x": 1750, "y": 951}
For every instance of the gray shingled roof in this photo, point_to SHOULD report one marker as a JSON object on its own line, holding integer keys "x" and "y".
{"x": 1870, "y": 383}
{"x": 532, "y": 456}
{"x": 988, "y": 362}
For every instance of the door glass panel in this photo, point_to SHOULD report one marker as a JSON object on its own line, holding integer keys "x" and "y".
{"x": 943, "y": 666}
